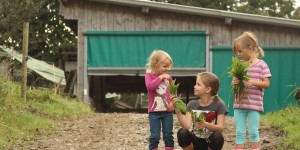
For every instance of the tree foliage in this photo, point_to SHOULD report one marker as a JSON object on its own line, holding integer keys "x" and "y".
{"x": 48, "y": 34}
{"x": 274, "y": 8}
{"x": 215, "y": 4}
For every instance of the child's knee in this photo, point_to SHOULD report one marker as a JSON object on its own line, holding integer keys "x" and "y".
{"x": 216, "y": 141}
{"x": 183, "y": 137}
{"x": 254, "y": 135}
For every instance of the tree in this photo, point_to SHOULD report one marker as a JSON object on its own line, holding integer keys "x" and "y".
{"x": 274, "y": 8}
{"x": 296, "y": 14}
{"x": 48, "y": 33}
{"x": 13, "y": 14}
{"x": 213, "y": 4}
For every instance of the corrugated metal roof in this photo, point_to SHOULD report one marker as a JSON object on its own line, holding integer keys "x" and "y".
{"x": 207, "y": 12}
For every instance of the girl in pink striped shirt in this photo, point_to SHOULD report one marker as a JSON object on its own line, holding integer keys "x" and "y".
{"x": 250, "y": 104}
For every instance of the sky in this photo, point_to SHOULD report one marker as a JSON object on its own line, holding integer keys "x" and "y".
{"x": 297, "y": 3}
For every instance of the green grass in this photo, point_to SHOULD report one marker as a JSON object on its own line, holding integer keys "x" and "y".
{"x": 21, "y": 120}
{"x": 288, "y": 121}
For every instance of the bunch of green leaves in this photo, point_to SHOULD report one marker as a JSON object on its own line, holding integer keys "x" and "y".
{"x": 179, "y": 105}
{"x": 238, "y": 70}
{"x": 198, "y": 118}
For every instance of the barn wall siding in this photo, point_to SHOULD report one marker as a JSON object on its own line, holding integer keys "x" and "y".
{"x": 109, "y": 17}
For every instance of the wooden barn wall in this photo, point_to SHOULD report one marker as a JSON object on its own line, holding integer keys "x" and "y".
{"x": 109, "y": 17}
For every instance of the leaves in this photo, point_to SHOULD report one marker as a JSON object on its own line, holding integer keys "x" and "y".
{"x": 198, "y": 117}
{"x": 274, "y": 8}
{"x": 179, "y": 105}
{"x": 48, "y": 34}
{"x": 238, "y": 70}
{"x": 173, "y": 87}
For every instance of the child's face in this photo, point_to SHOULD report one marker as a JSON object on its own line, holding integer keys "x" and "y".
{"x": 164, "y": 67}
{"x": 241, "y": 52}
{"x": 200, "y": 89}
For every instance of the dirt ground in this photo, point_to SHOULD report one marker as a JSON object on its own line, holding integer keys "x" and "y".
{"x": 124, "y": 131}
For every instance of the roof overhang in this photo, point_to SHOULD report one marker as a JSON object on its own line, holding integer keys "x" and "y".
{"x": 206, "y": 12}
{"x": 137, "y": 71}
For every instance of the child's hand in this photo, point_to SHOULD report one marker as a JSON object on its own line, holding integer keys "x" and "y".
{"x": 200, "y": 125}
{"x": 235, "y": 81}
{"x": 174, "y": 98}
{"x": 164, "y": 76}
{"x": 248, "y": 83}
{"x": 171, "y": 107}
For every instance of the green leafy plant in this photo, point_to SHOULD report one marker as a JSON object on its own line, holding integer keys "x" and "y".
{"x": 295, "y": 92}
{"x": 238, "y": 70}
{"x": 198, "y": 118}
{"x": 179, "y": 105}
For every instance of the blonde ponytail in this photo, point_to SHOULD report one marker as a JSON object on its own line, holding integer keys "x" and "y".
{"x": 260, "y": 52}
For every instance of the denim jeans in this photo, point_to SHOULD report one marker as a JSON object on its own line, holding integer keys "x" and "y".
{"x": 158, "y": 121}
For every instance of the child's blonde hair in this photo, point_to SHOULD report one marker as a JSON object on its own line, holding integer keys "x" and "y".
{"x": 157, "y": 57}
{"x": 248, "y": 39}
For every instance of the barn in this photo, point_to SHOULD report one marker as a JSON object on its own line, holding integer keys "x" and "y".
{"x": 115, "y": 37}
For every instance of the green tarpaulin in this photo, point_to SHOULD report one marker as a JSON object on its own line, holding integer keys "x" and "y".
{"x": 131, "y": 49}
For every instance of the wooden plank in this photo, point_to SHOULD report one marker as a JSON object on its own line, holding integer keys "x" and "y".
{"x": 110, "y": 19}
{"x": 103, "y": 17}
{"x": 93, "y": 16}
{"x": 148, "y": 20}
{"x": 118, "y": 19}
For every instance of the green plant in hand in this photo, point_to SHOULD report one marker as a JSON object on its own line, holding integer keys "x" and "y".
{"x": 179, "y": 105}
{"x": 198, "y": 118}
{"x": 238, "y": 70}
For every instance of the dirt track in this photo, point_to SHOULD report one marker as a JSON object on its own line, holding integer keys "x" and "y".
{"x": 123, "y": 131}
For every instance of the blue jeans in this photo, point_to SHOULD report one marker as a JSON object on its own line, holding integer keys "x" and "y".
{"x": 240, "y": 119}
{"x": 158, "y": 121}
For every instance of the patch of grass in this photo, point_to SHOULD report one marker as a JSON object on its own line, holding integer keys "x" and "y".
{"x": 288, "y": 120}
{"x": 21, "y": 120}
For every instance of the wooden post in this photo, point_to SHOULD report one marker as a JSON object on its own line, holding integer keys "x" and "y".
{"x": 24, "y": 58}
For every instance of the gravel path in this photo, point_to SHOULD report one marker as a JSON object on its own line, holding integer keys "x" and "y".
{"x": 123, "y": 131}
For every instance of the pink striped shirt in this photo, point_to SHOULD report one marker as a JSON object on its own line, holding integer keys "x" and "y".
{"x": 253, "y": 96}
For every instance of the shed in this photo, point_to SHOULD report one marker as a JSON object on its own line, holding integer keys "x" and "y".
{"x": 130, "y": 29}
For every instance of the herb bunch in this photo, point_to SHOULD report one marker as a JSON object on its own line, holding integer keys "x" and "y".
{"x": 179, "y": 105}
{"x": 238, "y": 70}
{"x": 198, "y": 118}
